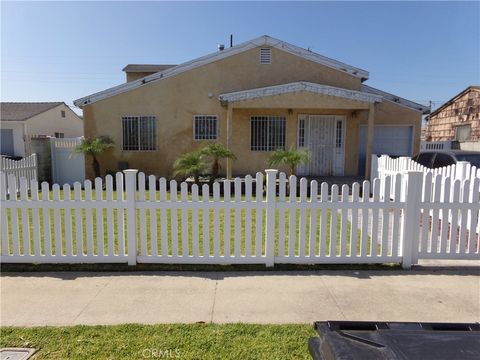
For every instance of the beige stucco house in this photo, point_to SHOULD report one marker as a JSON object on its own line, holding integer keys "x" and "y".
{"x": 20, "y": 121}
{"x": 255, "y": 97}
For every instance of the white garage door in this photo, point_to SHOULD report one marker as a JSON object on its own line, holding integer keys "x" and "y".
{"x": 389, "y": 140}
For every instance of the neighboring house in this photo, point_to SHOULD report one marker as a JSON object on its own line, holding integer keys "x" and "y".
{"x": 255, "y": 97}
{"x": 457, "y": 120}
{"x": 20, "y": 121}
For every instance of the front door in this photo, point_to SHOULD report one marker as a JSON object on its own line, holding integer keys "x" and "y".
{"x": 324, "y": 136}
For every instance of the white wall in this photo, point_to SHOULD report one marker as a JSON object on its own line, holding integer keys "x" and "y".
{"x": 470, "y": 145}
{"x": 51, "y": 121}
{"x": 18, "y": 132}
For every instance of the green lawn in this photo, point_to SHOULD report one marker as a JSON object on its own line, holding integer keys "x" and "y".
{"x": 170, "y": 235}
{"x": 195, "y": 341}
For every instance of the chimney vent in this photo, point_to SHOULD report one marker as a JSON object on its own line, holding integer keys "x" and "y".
{"x": 221, "y": 47}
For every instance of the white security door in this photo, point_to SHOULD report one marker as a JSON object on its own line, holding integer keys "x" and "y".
{"x": 324, "y": 136}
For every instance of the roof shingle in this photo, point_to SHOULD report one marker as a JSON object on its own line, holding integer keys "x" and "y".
{"x": 20, "y": 111}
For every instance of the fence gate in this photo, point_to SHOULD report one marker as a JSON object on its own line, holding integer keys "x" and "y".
{"x": 67, "y": 167}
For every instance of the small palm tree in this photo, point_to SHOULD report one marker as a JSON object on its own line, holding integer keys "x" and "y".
{"x": 291, "y": 158}
{"x": 94, "y": 147}
{"x": 190, "y": 164}
{"x": 216, "y": 152}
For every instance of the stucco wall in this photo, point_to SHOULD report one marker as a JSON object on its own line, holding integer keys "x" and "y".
{"x": 174, "y": 101}
{"x": 51, "y": 121}
{"x": 18, "y": 132}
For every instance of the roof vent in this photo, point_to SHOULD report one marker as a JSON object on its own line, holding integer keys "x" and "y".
{"x": 265, "y": 55}
{"x": 221, "y": 47}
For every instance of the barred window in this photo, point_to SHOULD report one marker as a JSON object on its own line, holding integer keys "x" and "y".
{"x": 267, "y": 133}
{"x": 139, "y": 133}
{"x": 205, "y": 127}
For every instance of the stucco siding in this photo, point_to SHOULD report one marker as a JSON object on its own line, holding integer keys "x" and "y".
{"x": 51, "y": 121}
{"x": 175, "y": 100}
{"x": 18, "y": 135}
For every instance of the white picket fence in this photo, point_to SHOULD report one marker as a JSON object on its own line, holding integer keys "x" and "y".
{"x": 385, "y": 166}
{"x": 26, "y": 168}
{"x": 136, "y": 219}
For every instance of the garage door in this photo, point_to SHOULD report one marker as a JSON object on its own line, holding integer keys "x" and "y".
{"x": 6, "y": 142}
{"x": 389, "y": 140}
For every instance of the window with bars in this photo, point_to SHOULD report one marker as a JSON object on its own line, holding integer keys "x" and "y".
{"x": 301, "y": 133}
{"x": 265, "y": 56}
{"x": 205, "y": 127}
{"x": 59, "y": 135}
{"x": 139, "y": 133}
{"x": 267, "y": 133}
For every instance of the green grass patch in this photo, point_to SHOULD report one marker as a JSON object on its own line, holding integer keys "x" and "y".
{"x": 194, "y": 341}
{"x": 153, "y": 231}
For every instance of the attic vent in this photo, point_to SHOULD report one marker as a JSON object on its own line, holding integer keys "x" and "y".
{"x": 265, "y": 56}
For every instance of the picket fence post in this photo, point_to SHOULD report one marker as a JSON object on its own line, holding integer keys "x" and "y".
{"x": 130, "y": 199}
{"x": 270, "y": 217}
{"x": 461, "y": 170}
{"x": 411, "y": 218}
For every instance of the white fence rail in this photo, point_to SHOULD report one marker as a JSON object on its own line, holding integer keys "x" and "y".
{"x": 26, "y": 168}
{"x": 385, "y": 166}
{"x": 138, "y": 219}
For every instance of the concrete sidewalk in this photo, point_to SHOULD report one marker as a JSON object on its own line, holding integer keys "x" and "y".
{"x": 31, "y": 299}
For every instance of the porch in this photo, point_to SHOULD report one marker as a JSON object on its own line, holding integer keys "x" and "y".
{"x": 320, "y": 118}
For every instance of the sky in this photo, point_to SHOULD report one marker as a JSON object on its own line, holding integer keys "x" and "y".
{"x": 61, "y": 51}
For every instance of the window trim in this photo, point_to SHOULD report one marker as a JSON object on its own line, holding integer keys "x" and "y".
{"x": 217, "y": 127}
{"x": 154, "y": 135}
{"x": 283, "y": 117}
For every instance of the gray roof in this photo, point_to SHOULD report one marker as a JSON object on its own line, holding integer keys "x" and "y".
{"x": 146, "y": 68}
{"x": 19, "y": 111}
{"x": 396, "y": 99}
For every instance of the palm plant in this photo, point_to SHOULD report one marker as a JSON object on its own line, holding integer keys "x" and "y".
{"x": 291, "y": 158}
{"x": 94, "y": 147}
{"x": 190, "y": 164}
{"x": 216, "y": 152}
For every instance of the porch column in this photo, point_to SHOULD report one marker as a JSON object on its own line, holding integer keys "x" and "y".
{"x": 370, "y": 127}
{"x": 229, "y": 138}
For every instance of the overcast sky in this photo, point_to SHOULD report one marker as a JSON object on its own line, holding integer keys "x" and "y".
{"x": 61, "y": 51}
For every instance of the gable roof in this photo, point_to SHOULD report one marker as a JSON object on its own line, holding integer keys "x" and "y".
{"x": 133, "y": 68}
{"x": 300, "y": 86}
{"x": 20, "y": 111}
{"x": 453, "y": 99}
{"x": 396, "y": 99}
{"x": 218, "y": 55}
